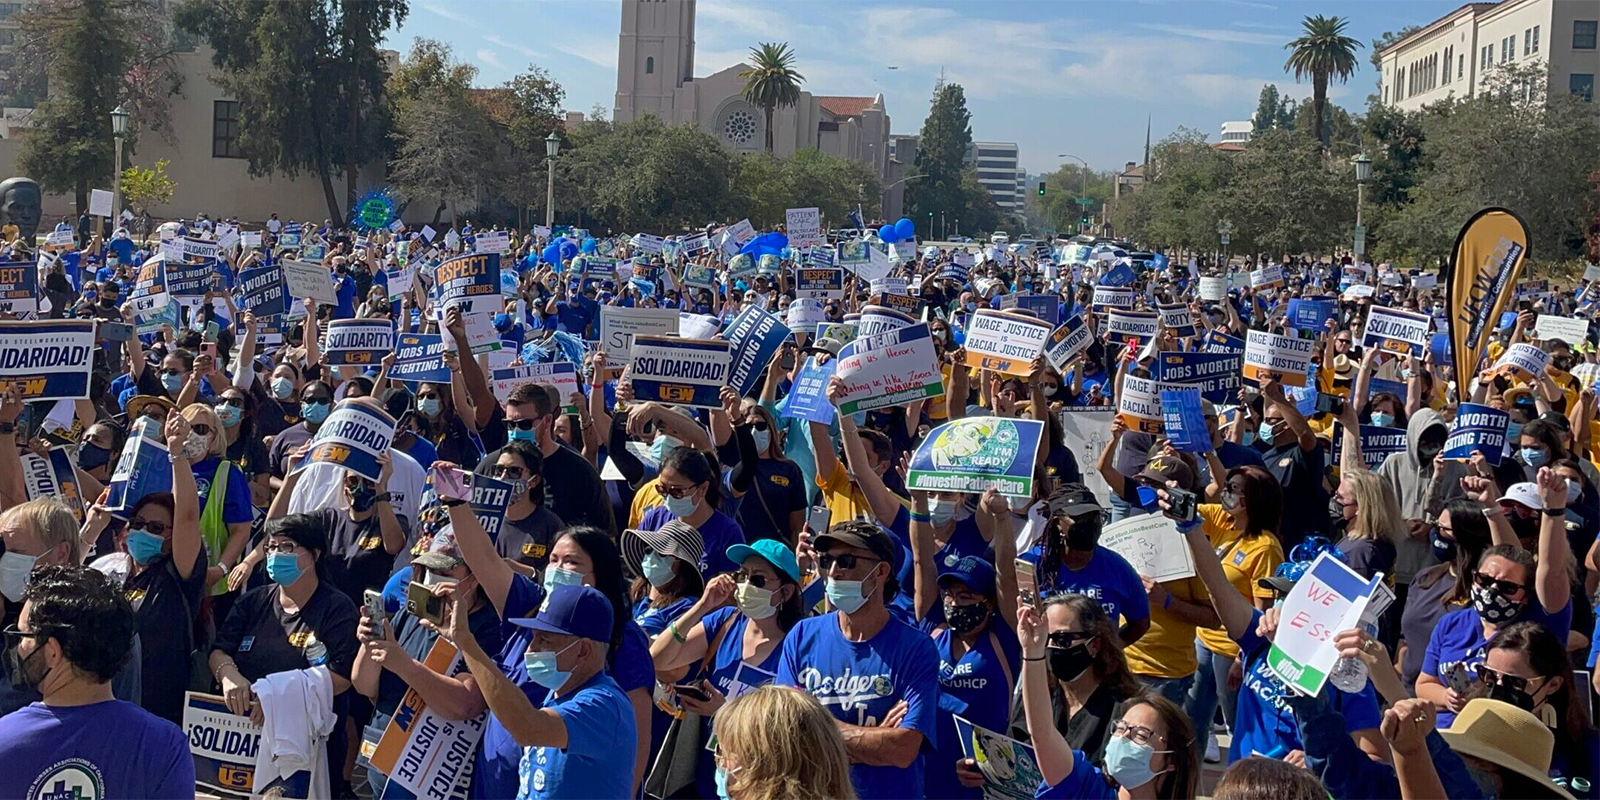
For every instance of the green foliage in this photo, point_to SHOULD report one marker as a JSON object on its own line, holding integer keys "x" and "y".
{"x": 143, "y": 187}
{"x": 645, "y": 175}
{"x": 1322, "y": 53}
{"x": 1058, "y": 210}
{"x": 948, "y": 185}
{"x": 764, "y": 187}
{"x": 1178, "y": 204}
{"x": 771, "y": 82}
{"x": 1389, "y": 38}
{"x": 1273, "y": 110}
{"x": 1286, "y": 197}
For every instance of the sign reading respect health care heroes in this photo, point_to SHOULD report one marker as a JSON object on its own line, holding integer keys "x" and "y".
{"x": 890, "y": 369}
{"x": 973, "y": 454}
{"x": 1003, "y": 342}
{"x": 1268, "y": 354}
{"x": 1396, "y": 331}
{"x": 354, "y": 436}
{"x": 471, "y": 281}
{"x": 1477, "y": 427}
{"x": 687, "y": 372}
{"x": 358, "y": 342}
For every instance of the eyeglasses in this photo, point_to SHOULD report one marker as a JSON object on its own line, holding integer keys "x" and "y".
{"x": 1488, "y": 581}
{"x": 15, "y": 635}
{"x": 236, "y": 402}
{"x": 149, "y": 526}
{"x": 1138, "y": 734}
{"x": 500, "y": 472}
{"x": 676, "y": 492}
{"x": 1493, "y": 677}
{"x": 524, "y": 424}
{"x": 200, "y": 428}
{"x": 758, "y": 581}
{"x": 285, "y": 547}
{"x": 846, "y": 561}
{"x": 758, "y": 424}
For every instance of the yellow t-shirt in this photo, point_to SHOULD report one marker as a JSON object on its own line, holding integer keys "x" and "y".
{"x": 938, "y": 407}
{"x": 844, "y": 499}
{"x": 1167, "y": 649}
{"x": 1245, "y": 559}
{"x": 646, "y": 498}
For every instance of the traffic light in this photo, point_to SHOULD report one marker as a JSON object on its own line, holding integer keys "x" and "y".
{"x": 1041, "y": 190}
{"x": 1084, "y": 220}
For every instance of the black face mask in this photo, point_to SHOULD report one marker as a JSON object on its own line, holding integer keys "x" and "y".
{"x": 17, "y": 665}
{"x": 1443, "y": 549}
{"x": 1517, "y": 697}
{"x": 92, "y": 456}
{"x": 362, "y": 497}
{"x": 965, "y": 619}
{"x": 1067, "y": 663}
{"x": 1083, "y": 535}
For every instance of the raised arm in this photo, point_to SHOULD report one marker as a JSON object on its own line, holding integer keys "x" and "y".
{"x": 1273, "y": 391}
{"x": 1555, "y": 552}
{"x": 884, "y": 504}
{"x": 493, "y": 573}
{"x": 185, "y": 505}
{"x": 1054, "y": 754}
{"x": 1233, "y": 610}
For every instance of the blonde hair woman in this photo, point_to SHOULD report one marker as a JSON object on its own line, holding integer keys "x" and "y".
{"x": 1372, "y": 519}
{"x": 224, "y": 524}
{"x": 777, "y": 743}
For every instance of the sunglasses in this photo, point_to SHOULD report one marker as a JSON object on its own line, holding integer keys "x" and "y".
{"x": 171, "y": 372}
{"x": 15, "y": 635}
{"x": 149, "y": 526}
{"x": 200, "y": 428}
{"x": 427, "y": 395}
{"x": 525, "y": 424}
{"x": 1063, "y": 640}
{"x": 1493, "y": 677}
{"x": 506, "y": 472}
{"x": 1488, "y": 582}
{"x": 760, "y": 425}
{"x": 676, "y": 492}
{"x": 236, "y": 402}
{"x": 846, "y": 561}
{"x": 758, "y": 581}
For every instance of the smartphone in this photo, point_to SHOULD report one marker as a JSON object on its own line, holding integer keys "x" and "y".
{"x": 1330, "y": 403}
{"x": 1460, "y": 682}
{"x": 819, "y": 518}
{"x": 210, "y": 349}
{"x": 424, "y": 604}
{"x": 373, "y": 601}
{"x": 451, "y": 484}
{"x": 116, "y": 331}
{"x": 1028, "y": 583}
{"x": 692, "y": 691}
{"x": 1182, "y": 504}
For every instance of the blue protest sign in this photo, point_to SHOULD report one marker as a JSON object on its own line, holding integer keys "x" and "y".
{"x": 1218, "y": 342}
{"x": 1043, "y": 306}
{"x": 1440, "y": 347}
{"x": 1218, "y": 376}
{"x": 687, "y": 372}
{"x": 1377, "y": 444}
{"x": 1377, "y": 386}
{"x": 48, "y": 360}
{"x": 1304, "y": 397}
{"x": 191, "y": 279}
{"x": 471, "y": 281}
{"x": 419, "y": 358}
{"x": 143, "y": 468}
{"x": 808, "y": 399}
{"x": 753, "y": 338}
{"x": 1479, "y": 428}
{"x": 1120, "y": 275}
{"x": 262, "y": 291}
{"x": 490, "y": 496}
{"x": 1310, "y": 315}
{"x": 19, "y": 289}
{"x": 972, "y": 454}
{"x": 1184, "y": 421}
{"x": 354, "y": 436}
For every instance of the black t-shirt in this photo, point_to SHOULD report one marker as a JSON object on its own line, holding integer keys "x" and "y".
{"x": 165, "y": 605}
{"x": 356, "y": 560}
{"x": 272, "y": 415}
{"x": 572, "y": 488}
{"x": 284, "y": 446}
{"x": 250, "y": 455}
{"x": 1088, "y": 729}
{"x": 263, "y": 638}
{"x": 528, "y": 540}
{"x": 782, "y": 487}
{"x": 453, "y": 441}
{"x": 1305, "y": 504}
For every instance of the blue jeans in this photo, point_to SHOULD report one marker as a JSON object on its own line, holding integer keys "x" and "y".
{"x": 1174, "y": 689}
{"x": 1210, "y": 685}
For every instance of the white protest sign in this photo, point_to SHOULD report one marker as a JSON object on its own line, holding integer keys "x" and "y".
{"x": 804, "y": 227}
{"x": 308, "y": 279}
{"x": 1330, "y": 597}
{"x": 891, "y": 369}
{"x": 423, "y": 752}
{"x": 1005, "y": 342}
{"x": 804, "y": 314}
{"x": 354, "y": 436}
{"x": 1568, "y": 329}
{"x": 250, "y": 239}
{"x": 1591, "y": 272}
{"x": 492, "y": 242}
{"x": 1151, "y": 545}
{"x": 1213, "y": 288}
{"x": 688, "y": 372}
{"x": 1527, "y": 361}
{"x": 697, "y": 326}
{"x": 1267, "y": 354}
{"x": 1426, "y": 280}
{"x": 1266, "y": 277}
{"x": 1108, "y": 297}
{"x": 1132, "y": 327}
{"x": 648, "y": 243}
{"x": 100, "y": 203}
{"x": 1065, "y": 342}
{"x": 1139, "y": 404}
{"x": 1085, "y": 430}
{"x": 55, "y": 239}
{"x": 1360, "y": 290}
{"x": 357, "y": 342}
{"x": 1397, "y": 331}
{"x": 561, "y": 374}
{"x": 619, "y": 325}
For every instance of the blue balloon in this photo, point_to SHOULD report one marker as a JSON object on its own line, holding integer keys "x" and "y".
{"x": 588, "y": 245}
{"x": 787, "y": 254}
{"x": 905, "y": 229}
{"x": 552, "y": 255}
{"x": 568, "y": 247}
{"x": 887, "y": 234}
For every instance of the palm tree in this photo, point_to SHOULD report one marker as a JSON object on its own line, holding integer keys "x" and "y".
{"x": 772, "y": 81}
{"x": 1323, "y": 52}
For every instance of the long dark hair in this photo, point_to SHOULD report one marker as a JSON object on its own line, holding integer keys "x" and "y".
{"x": 686, "y": 582}
{"x": 1262, "y": 498}
{"x": 1547, "y": 655}
{"x": 1110, "y": 663}
{"x": 1471, "y": 530}
{"x": 608, "y": 578}
{"x": 697, "y": 467}
{"x": 1179, "y": 783}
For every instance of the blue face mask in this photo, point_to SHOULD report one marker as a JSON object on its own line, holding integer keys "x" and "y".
{"x": 1265, "y": 433}
{"x": 662, "y": 445}
{"x": 1534, "y": 457}
{"x": 1513, "y": 430}
{"x": 721, "y": 780}
{"x": 283, "y": 568}
{"x": 1128, "y": 762}
{"x": 531, "y": 436}
{"x": 314, "y": 413}
{"x": 556, "y": 576}
{"x": 1248, "y": 438}
{"x": 847, "y": 596}
{"x": 229, "y": 415}
{"x": 1383, "y": 420}
{"x": 429, "y": 406}
{"x": 173, "y": 383}
{"x": 1574, "y": 489}
{"x": 143, "y": 546}
{"x": 1147, "y": 497}
{"x": 657, "y": 569}
{"x": 541, "y": 667}
{"x": 681, "y": 506}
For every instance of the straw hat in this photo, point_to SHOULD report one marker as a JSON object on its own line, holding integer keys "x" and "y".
{"x": 1503, "y": 734}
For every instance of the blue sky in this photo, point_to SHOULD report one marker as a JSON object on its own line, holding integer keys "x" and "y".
{"x": 1054, "y": 76}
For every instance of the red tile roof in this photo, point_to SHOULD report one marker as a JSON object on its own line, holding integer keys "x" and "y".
{"x": 840, "y": 106}
{"x": 1228, "y": 147}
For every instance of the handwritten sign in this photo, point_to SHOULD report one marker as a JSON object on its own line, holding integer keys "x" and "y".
{"x": 890, "y": 369}
{"x": 1330, "y": 597}
{"x": 1151, "y": 545}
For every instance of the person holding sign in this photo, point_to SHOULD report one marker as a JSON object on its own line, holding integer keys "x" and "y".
{"x": 1295, "y": 457}
{"x": 1071, "y": 559}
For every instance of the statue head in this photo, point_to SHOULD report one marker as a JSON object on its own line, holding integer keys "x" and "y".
{"x": 20, "y": 204}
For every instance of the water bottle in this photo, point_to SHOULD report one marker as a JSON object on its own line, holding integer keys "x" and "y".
{"x": 1350, "y": 674}
{"x": 317, "y": 653}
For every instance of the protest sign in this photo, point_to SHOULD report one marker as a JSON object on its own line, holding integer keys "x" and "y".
{"x": 887, "y": 286}
{"x": 354, "y": 436}
{"x": 1568, "y": 329}
{"x": 753, "y": 339}
{"x": 740, "y": 232}
{"x": 803, "y": 226}
{"x": 1328, "y": 598}
{"x": 820, "y": 284}
{"x": 700, "y": 276}
{"x": 1307, "y": 314}
{"x": 492, "y": 242}
{"x": 150, "y": 287}
{"x": 1270, "y": 355}
{"x": 904, "y": 304}
{"x": 1267, "y": 277}
{"x": 1119, "y": 275}
{"x": 423, "y": 752}
{"x": 808, "y": 399}
{"x": 683, "y": 371}
{"x": 1150, "y": 543}
{"x": 696, "y": 244}
{"x": 854, "y": 253}
{"x": 1107, "y": 298}
{"x": 1591, "y": 272}
{"x": 1004, "y": 342}
{"x": 190, "y": 280}
{"x": 1010, "y": 768}
{"x": 881, "y": 319}
{"x": 489, "y": 499}
{"x": 1132, "y": 327}
{"x": 224, "y": 747}
{"x": 358, "y": 342}
{"x": 890, "y": 369}
{"x": 250, "y": 239}
{"x": 820, "y": 256}
{"x": 1218, "y": 342}
{"x": 1213, "y": 288}
{"x": 400, "y": 281}
{"x": 53, "y": 475}
{"x": 470, "y": 282}
{"x": 100, "y": 203}
{"x": 48, "y": 360}
{"x": 1216, "y": 375}
{"x": 1477, "y": 427}
{"x": 648, "y": 243}
{"x": 971, "y": 455}
{"x": 1043, "y": 306}
{"x": 1178, "y": 318}
{"x": 1395, "y": 331}
{"x": 1489, "y": 256}
{"x": 1377, "y": 444}
{"x": 197, "y": 249}
{"x": 59, "y": 240}
{"x": 1066, "y": 342}
{"x": 419, "y": 358}
{"x": 308, "y": 279}
{"x": 561, "y": 374}
{"x": 1426, "y": 280}
{"x": 263, "y": 292}
{"x": 1183, "y": 420}
{"x": 1524, "y": 360}
{"x": 1086, "y": 429}
{"x": 698, "y": 326}
{"x": 142, "y": 468}
{"x": 19, "y": 289}
{"x": 618, "y": 326}
{"x": 804, "y": 314}
{"x": 1139, "y": 404}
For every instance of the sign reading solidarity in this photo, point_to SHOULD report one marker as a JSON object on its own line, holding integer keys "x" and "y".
{"x": 1109, "y": 297}
{"x": 1005, "y": 342}
{"x": 1270, "y": 355}
{"x": 890, "y": 369}
{"x": 224, "y": 747}
{"x": 877, "y": 320}
{"x": 354, "y": 436}
{"x": 973, "y": 454}
{"x": 1477, "y": 428}
{"x": 358, "y": 342}
{"x": 687, "y": 372}
{"x": 1396, "y": 331}
{"x": 1178, "y": 318}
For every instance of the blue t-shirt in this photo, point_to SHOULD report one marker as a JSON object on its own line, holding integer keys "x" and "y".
{"x": 717, "y": 534}
{"x": 345, "y": 292}
{"x": 421, "y": 451}
{"x": 600, "y": 727}
{"x": 732, "y": 676}
{"x": 123, "y": 248}
{"x": 574, "y": 316}
{"x": 236, "y": 505}
{"x": 65, "y": 751}
{"x": 1107, "y": 577}
{"x": 1459, "y": 639}
{"x": 859, "y": 682}
{"x": 1264, "y": 723}
{"x": 976, "y": 687}
{"x": 1085, "y": 782}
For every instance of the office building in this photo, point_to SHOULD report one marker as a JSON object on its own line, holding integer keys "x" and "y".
{"x": 998, "y": 172}
{"x": 1237, "y": 131}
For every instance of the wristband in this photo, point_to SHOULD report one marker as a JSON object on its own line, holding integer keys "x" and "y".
{"x": 1186, "y": 527}
{"x": 1038, "y": 658}
{"x": 917, "y": 516}
{"x": 1493, "y": 511}
{"x": 1554, "y": 512}
{"x": 672, "y": 627}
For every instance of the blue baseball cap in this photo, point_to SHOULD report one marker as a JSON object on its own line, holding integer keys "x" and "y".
{"x": 573, "y": 610}
{"x": 770, "y": 549}
{"x": 976, "y": 573}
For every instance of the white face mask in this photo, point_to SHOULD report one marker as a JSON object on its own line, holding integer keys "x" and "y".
{"x": 14, "y": 571}
{"x": 195, "y": 447}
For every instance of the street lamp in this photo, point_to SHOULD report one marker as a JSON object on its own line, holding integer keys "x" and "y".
{"x": 1083, "y": 187}
{"x": 1363, "y": 174}
{"x": 119, "y": 127}
{"x": 1225, "y": 234}
{"x": 552, "y": 146}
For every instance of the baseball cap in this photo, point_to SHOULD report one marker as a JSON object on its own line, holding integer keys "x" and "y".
{"x": 976, "y": 573}
{"x": 1208, "y": 409}
{"x": 1163, "y": 468}
{"x": 826, "y": 344}
{"x": 677, "y": 539}
{"x": 573, "y": 610}
{"x": 773, "y": 551}
{"x": 1072, "y": 500}
{"x": 1524, "y": 493}
{"x": 443, "y": 554}
{"x": 865, "y": 535}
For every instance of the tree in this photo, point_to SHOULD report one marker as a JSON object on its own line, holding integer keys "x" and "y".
{"x": 1058, "y": 210}
{"x": 445, "y": 140}
{"x": 1178, "y": 204}
{"x": 944, "y": 186}
{"x": 1284, "y": 196}
{"x": 69, "y": 146}
{"x": 1323, "y": 53}
{"x": 764, "y": 187}
{"x": 309, "y": 80}
{"x": 1388, "y": 38}
{"x": 528, "y": 107}
{"x": 143, "y": 187}
{"x": 1273, "y": 110}
{"x": 771, "y": 81}
{"x": 645, "y": 175}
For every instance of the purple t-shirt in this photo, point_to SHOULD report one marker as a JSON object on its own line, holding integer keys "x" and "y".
{"x": 718, "y": 533}
{"x": 64, "y": 751}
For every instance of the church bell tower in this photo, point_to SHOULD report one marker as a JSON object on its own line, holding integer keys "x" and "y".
{"x": 655, "y": 56}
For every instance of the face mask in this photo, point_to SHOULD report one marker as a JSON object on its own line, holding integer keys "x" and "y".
{"x": 1128, "y": 762}
{"x": 172, "y": 383}
{"x": 1405, "y": 374}
{"x": 681, "y": 506}
{"x": 721, "y": 780}
{"x": 428, "y": 406}
{"x": 1083, "y": 536}
{"x": 14, "y": 571}
{"x": 1230, "y": 501}
{"x": 143, "y": 546}
{"x": 558, "y": 576}
{"x": 1383, "y": 420}
{"x": 531, "y": 436}
{"x": 1265, "y": 433}
{"x": 541, "y": 667}
{"x": 753, "y": 601}
{"x": 965, "y": 619}
{"x": 314, "y": 413}
{"x": 1517, "y": 697}
{"x": 282, "y": 388}
{"x": 1443, "y": 549}
{"x": 1574, "y": 489}
{"x": 657, "y": 569}
{"x": 847, "y": 596}
{"x": 363, "y": 497}
{"x": 1067, "y": 663}
{"x": 1248, "y": 438}
{"x": 195, "y": 447}
{"x": 662, "y": 445}
{"x": 972, "y": 307}
{"x": 1426, "y": 452}
{"x": 942, "y": 510}
{"x": 1494, "y": 607}
{"x": 92, "y": 456}
{"x": 229, "y": 416}
{"x": 1534, "y": 457}
{"x": 1050, "y": 389}
{"x": 283, "y": 568}
{"x": 1147, "y": 497}
{"x": 21, "y": 676}
{"x": 763, "y": 440}
{"x": 1513, "y": 430}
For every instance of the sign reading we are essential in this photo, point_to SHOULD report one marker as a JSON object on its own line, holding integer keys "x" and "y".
{"x": 973, "y": 454}
{"x": 1397, "y": 331}
{"x": 1330, "y": 597}
{"x": 354, "y": 436}
{"x": 890, "y": 369}
{"x": 358, "y": 342}
{"x": 687, "y": 372}
{"x": 1005, "y": 342}
{"x": 1269, "y": 355}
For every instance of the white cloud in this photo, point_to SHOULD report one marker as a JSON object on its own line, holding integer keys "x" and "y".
{"x": 1218, "y": 34}
{"x": 491, "y": 58}
{"x": 601, "y": 51}
{"x": 513, "y": 46}
{"x": 443, "y": 12}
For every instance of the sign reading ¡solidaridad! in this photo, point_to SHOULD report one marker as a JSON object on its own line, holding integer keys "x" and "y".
{"x": 972, "y": 454}
{"x": 354, "y": 436}
{"x": 687, "y": 372}
{"x": 48, "y": 360}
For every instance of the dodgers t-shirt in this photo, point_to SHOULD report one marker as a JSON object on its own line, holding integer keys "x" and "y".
{"x": 858, "y": 682}
{"x": 1107, "y": 577}
{"x": 1264, "y": 723}
{"x": 600, "y": 727}
{"x": 68, "y": 752}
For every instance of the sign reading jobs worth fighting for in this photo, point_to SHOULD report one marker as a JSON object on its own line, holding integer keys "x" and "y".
{"x": 1269, "y": 355}
{"x": 889, "y": 369}
{"x": 354, "y": 436}
{"x": 1003, "y": 342}
{"x": 688, "y": 372}
{"x": 358, "y": 342}
{"x": 973, "y": 454}
{"x": 1477, "y": 428}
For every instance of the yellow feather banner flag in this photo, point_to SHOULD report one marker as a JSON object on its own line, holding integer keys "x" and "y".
{"x": 1482, "y": 275}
